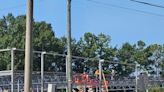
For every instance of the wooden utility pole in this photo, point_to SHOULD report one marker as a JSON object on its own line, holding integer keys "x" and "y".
{"x": 28, "y": 47}
{"x": 69, "y": 57}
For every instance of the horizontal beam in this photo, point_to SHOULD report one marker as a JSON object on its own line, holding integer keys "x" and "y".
{"x": 64, "y": 55}
{"x": 2, "y": 50}
{"x": 5, "y": 73}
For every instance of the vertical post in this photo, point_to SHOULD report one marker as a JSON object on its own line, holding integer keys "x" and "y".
{"x": 136, "y": 69}
{"x": 12, "y": 70}
{"x": 28, "y": 47}
{"x": 96, "y": 85}
{"x": 100, "y": 68}
{"x": 37, "y": 90}
{"x": 69, "y": 57}
{"x": 100, "y": 73}
{"x": 84, "y": 88}
{"x": 18, "y": 86}
{"x": 42, "y": 71}
{"x": 157, "y": 60}
{"x": 124, "y": 90}
{"x": 156, "y": 67}
{"x": 147, "y": 89}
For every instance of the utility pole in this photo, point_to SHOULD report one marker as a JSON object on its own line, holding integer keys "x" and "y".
{"x": 28, "y": 48}
{"x": 69, "y": 57}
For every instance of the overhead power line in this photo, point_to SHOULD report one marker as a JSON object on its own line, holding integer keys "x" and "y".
{"x": 126, "y": 8}
{"x": 146, "y": 3}
{"x": 73, "y": 57}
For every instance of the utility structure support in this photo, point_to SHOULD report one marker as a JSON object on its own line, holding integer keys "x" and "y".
{"x": 136, "y": 69}
{"x": 12, "y": 70}
{"x": 42, "y": 71}
{"x": 69, "y": 56}
{"x": 28, "y": 48}
{"x": 100, "y": 74}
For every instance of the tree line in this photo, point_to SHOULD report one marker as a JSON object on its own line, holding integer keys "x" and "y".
{"x": 12, "y": 33}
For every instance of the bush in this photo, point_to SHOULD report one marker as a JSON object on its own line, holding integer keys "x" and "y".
{"x": 156, "y": 89}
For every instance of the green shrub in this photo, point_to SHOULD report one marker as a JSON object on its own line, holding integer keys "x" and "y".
{"x": 156, "y": 89}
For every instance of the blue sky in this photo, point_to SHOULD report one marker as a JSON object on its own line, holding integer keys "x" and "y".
{"x": 121, "y": 24}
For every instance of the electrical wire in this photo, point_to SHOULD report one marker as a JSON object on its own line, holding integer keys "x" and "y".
{"x": 74, "y": 57}
{"x": 146, "y": 3}
{"x": 105, "y": 4}
{"x": 126, "y": 8}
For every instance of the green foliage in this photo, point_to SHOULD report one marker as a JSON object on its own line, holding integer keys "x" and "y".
{"x": 106, "y": 71}
{"x": 12, "y": 33}
{"x": 156, "y": 89}
{"x": 92, "y": 46}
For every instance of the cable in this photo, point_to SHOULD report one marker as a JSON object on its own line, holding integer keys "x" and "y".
{"x": 126, "y": 8}
{"x": 146, "y": 3}
{"x": 73, "y": 57}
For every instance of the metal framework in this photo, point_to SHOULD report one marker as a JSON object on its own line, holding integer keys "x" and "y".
{"x": 12, "y": 79}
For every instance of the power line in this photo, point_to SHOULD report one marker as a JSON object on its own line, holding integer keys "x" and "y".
{"x": 74, "y": 57}
{"x": 126, "y": 8}
{"x": 146, "y": 3}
